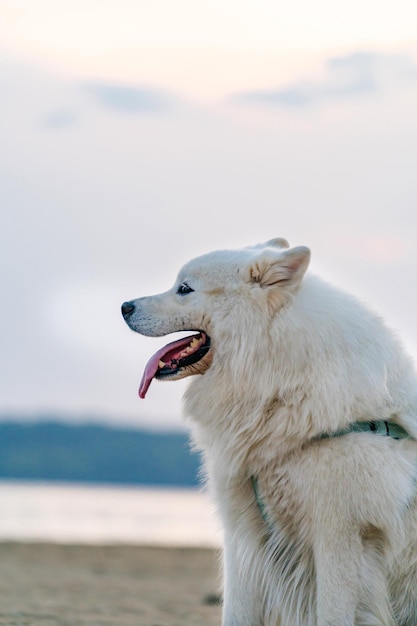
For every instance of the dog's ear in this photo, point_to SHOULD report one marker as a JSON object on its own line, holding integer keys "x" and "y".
{"x": 286, "y": 268}
{"x": 278, "y": 242}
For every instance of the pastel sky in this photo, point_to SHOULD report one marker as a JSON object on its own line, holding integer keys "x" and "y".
{"x": 135, "y": 135}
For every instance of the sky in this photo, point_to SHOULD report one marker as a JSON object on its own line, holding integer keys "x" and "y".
{"x": 136, "y": 135}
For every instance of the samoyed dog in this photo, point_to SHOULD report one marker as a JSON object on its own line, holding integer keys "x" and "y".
{"x": 304, "y": 406}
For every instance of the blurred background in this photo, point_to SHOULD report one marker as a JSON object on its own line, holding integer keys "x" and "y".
{"x": 136, "y": 135}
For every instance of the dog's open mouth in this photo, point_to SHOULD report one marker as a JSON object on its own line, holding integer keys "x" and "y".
{"x": 177, "y": 359}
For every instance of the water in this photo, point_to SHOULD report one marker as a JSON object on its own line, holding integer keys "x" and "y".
{"x": 92, "y": 514}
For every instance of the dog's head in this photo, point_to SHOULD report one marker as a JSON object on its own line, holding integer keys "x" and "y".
{"x": 221, "y": 296}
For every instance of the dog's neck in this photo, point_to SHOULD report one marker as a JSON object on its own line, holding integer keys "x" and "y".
{"x": 377, "y": 427}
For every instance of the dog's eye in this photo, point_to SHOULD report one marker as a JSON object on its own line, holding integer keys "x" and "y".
{"x": 183, "y": 289}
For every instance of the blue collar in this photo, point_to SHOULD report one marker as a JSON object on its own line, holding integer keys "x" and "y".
{"x": 378, "y": 427}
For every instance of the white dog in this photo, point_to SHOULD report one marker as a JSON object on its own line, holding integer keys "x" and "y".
{"x": 305, "y": 409}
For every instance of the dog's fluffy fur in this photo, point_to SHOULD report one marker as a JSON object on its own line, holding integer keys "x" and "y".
{"x": 291, "y": 358}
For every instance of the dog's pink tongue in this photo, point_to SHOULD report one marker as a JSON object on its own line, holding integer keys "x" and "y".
{"x": 166, "y": 355}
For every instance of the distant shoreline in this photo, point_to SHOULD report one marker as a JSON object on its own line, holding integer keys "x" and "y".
{"x": 91, "y": 453}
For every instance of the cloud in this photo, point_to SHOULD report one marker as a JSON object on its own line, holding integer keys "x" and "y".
{"x": 358, "y": 74}
{"x": 128, "y": 99}
{"x": 59, "y": 119}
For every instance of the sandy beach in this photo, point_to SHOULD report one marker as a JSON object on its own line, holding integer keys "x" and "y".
{"x": 66, "y": 585}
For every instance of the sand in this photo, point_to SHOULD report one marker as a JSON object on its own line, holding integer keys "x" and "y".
{"x": 56, "y": 585}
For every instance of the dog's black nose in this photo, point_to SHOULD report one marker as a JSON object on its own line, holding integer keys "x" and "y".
{"x": 127, "y": 309}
